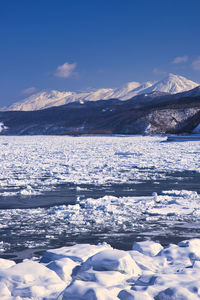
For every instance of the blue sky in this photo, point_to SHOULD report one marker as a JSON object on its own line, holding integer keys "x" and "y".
{"x": 79, "y": 44}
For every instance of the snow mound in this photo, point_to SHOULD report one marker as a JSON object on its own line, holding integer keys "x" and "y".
{"x": 6, "y": 263}
{"x": 77, "y": 253}
{"x": 103, "y": 278}
{"x": 178, "y": 256}
{"x": 149, "y": 248}
{"x": 79, "y": 290}
{"x": 63, "y": 268}
{"x": 31, "y": 280}
{"x": 112, "y": 260}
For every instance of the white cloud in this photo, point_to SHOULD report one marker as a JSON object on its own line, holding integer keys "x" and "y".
{"x": 28, "y": 91}
{"x": 159, "y": 72}
{"x": 180, "y": 59}
{"x": 196, "y": 64}
{"x": 65, "y": 70}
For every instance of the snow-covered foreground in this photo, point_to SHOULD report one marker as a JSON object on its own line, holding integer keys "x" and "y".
{"x": 90, "y": 272}
{"x": 32, "y": 165}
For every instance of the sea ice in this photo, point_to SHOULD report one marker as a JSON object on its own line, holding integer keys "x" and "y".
{"x": 6, "y": 263}
{"x": 32, "y": 167}
{"x": 133, "y": 295}
{"x": 149, "y": 248}
{"x": 31, "y": 280}
{"x": 176, "y": 293}
{"x": 81, "y": 290}
{"x": 112, "y": 260}
{"x": 117, "y": 214}
{"x": 109, "y": 274}
{"x": 63, "y": 268}
{"x": 78, "y": 253}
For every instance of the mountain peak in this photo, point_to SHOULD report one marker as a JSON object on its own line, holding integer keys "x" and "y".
{"x": 173, "y": 84}
{"x": 174, "y": 77}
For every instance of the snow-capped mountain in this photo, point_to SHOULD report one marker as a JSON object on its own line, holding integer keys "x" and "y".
{"x": 46, "y": 99}
{"x": 170, "y": 84}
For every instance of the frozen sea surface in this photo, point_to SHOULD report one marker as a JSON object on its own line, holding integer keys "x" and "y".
{"x": 57, "y": 191}
{"x": 33, "y": 165}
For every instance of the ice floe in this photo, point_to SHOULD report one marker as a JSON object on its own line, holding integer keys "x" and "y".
{"x": 40, "y": 227}
{"x": 30, "y": 167}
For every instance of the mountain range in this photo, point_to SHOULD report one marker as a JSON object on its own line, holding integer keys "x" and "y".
{"x": 152, "y": 113}
{"x": 171, "y": 84}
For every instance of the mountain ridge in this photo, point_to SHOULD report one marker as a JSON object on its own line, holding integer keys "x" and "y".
{"x": 142, "y": 114}
{"x": 170, "y": 84}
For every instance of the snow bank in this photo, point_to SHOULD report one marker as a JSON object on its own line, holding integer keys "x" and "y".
{"x": 106, "y": 273}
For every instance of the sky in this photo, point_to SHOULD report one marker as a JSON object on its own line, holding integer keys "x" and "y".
{"x": 81, "y": 44}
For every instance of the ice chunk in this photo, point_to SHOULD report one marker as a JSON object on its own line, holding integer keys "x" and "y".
{"x": 193, "y": 246}
{"x": 149, "y": 248}
{"x": 112, "y": 260}
{"x": 6, "y": 263}
{"x": 32, "y": 280}
{"x": 176, "y": 293}
{"x": 77, "y": 253}
{"x": 134, "y": 295}
{"x": 104, "y": 278}
{"x": 63, "y": 268}
{"x": 146, "y": 279}
{"x": 178, "y": 256}
{"x": 79, "y": 290}
{"x": 154, "y": 263}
